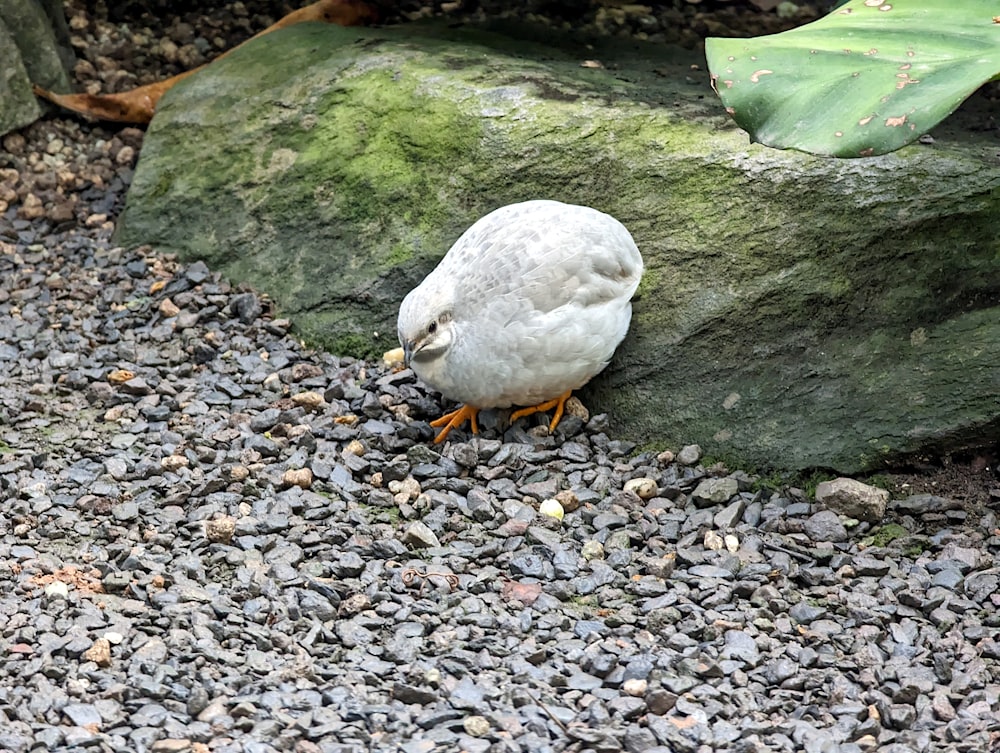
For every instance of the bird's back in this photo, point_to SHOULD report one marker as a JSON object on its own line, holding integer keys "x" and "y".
{"x": 543, "y": 290}
{"x": 545, "y": 252}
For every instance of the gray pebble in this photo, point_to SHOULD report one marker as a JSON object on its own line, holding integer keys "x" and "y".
{"x": 168, "y": 589}
{"x": 740, "y": 645}
{"x": 825, "y": 525}
{"x": 82, "y": 714}
{"x": 715, "y": 491}
{"x": 689, "y": 454}
{"x": 418, "y": 536}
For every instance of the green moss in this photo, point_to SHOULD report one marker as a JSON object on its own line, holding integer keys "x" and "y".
{"x": 385, "y": 143}
{"x": 163, "y": 186}
{"x": 810, "y": 481}
{"x": 887, "y": 533}
{"x": 357, "y": 189}
{"x": 771, "y": 482}
{"x": 377, "y": 514}
{"x": 349, "y": 345}
{"x": 880, "y": 480}
{"x": 776, "y": 481}
{"x": 915, "y": 549}
{"x": 399, "y": 254}
{"x": 584, "y": 604}
{"x": 655, "y": 447}
{"x": 651, "y": 282}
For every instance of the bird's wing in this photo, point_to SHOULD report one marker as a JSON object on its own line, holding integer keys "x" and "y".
{"x": 546, "y": 257}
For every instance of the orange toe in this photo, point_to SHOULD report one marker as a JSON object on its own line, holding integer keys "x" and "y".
{"x": 454, "y": 420}
{"x": 559, "y": 403}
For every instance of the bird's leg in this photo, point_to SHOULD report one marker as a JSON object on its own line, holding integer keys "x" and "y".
{"x": 559, "y": 403}
{"x": 455, "y": 419}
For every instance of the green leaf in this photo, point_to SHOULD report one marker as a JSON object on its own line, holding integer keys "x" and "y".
{"x": 867, "y": 79}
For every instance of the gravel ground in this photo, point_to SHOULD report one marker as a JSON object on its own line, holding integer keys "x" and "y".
{"x": 215, "y": 539}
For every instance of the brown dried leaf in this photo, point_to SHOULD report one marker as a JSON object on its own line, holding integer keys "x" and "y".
{"x": 135, "y": 106}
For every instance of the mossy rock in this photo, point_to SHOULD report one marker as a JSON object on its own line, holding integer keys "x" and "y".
{"x": 796, "y": 312}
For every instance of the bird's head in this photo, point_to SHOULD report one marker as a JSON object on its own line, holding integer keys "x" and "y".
{"x": 425, "y": 327}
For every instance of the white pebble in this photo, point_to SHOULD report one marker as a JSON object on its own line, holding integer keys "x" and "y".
{"x": 713, "y": 541}
{"x": 173, "y": 462}
{"x": 635, "y": 687}
{"x": 57, "y": 590}
{"x": 644, "y": 488}
{"x": 552, "y": 508}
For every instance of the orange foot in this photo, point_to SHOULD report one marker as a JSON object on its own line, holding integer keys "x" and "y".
{"x": 559, "y": 403}
{"x": 455, "y": 419}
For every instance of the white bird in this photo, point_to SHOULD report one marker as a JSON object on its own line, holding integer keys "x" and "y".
{"x": 527, "y": 306}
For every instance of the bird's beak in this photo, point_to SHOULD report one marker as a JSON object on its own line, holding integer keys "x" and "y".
{"x": 407, "y": 353}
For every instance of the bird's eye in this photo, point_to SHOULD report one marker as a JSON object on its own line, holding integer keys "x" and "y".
{"x": 432, "y": 328}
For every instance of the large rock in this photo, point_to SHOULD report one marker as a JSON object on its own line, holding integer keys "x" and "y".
{"x": 34, "y": 48}
{"x": 795, "y": 311}
{"x": 18, "y": 106}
